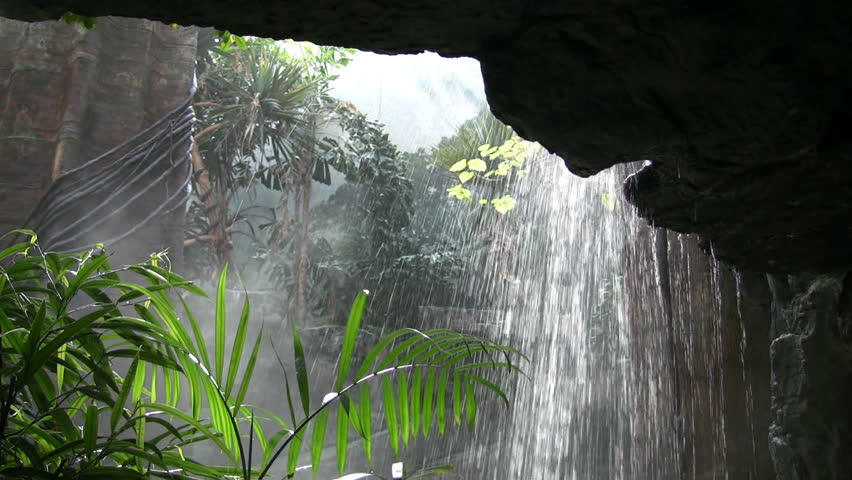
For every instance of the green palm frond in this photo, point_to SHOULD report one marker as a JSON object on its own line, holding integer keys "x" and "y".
{"x": 65, "y": 407}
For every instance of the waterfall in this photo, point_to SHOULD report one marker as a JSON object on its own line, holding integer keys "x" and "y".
{"x": 548, "y": 278}
{"x": 645, "y": 361}
{"x": 638, "y": 351}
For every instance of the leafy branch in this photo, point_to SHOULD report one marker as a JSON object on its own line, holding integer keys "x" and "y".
{"x": 493, "y": 161}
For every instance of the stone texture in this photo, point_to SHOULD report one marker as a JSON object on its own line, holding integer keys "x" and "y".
{"x": 68, "y": 95}
{"x": 700, "y": 350}
{"x": 811, "y": 353}
{"x": 742, "y": 108}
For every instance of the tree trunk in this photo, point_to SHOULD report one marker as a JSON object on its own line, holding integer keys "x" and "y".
{"x": 215, "y": 206}
{"x": 304, "y": 252}
{"x": 303, "y": 173}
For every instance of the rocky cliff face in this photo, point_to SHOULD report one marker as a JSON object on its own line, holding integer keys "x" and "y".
{"x": 700, "y": 349}
{"x": 69, "y": 96}
{"x": 811, "y": 430}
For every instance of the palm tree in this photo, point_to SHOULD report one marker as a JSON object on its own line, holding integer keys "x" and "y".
{"x": 250, "y": 107}
{"x": 260, "y": 111}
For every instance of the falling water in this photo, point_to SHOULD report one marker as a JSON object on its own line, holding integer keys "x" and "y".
{"x": 571, "y": 323}
{"x": 634, "y": 335}
{"x": 549, "y": 279}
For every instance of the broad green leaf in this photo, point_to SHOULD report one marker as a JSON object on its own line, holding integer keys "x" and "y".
{"x": 477, "y": 165}
{"x": 138, "y": 381}
{"x": 237, "y": 348}
{"x": 210, "y": 435}
{"x": 118, "y": 407}
{"x": 67, "y": 333}
{"x": 491, "y": 386}
{"x": 366, "y": 421}
{"x": 470, "y": 403}
{"x": 457, "y": 396}
{"x": 466, "y": 176}
{"x": 416, "y": 376}
{"x": 458, "y": 166}
{"x": 199, "y": 338}
{"x": 90, "y": 429}
{"x": 17, "y": 248}
{"x": 83, "y": 274}
{"x": 293, "y": 454}
{"x": 377, "y": 350}
{"x": 301, "y": 371}
{"x": 60, "y": 367}
{"x": 427, "y": 401}
{"x": 273, "y": 442}
{"x": 441, "y": 400}
{"x": 249, "y": 371}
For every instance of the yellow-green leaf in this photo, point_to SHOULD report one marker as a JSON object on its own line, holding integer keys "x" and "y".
{"x": 477, "y": 165}
{"x": 608, "y": 200}
{"x": 458, "y": 166}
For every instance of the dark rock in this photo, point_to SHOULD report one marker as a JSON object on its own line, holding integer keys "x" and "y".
{"x": 743, "y": 108}
{"x": 811, "y": 429}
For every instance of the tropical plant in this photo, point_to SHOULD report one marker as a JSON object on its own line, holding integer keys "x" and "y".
{"x": 64, "y": 325}
{"x": 484, "y": 150}
{"x": 367, "y": 218}
{"x": 261, "y": 111}
{"x": 252, "y": 112}
{"x": 65, "y": 411}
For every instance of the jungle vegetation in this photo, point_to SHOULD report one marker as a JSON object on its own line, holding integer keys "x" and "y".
{"x": 70, "y": 409}
{"x": 267, "y": 126}
{"x": 106, "y": 371}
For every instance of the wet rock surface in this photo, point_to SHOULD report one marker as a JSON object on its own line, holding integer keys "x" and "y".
{"x": 743, "y": 109}
{"x": 811, "y": 354}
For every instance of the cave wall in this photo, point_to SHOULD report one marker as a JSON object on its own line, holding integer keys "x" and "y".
{"x": 811, "y": 430}
{"x": 700, "y": 350}
{"x": 752, "y": 371}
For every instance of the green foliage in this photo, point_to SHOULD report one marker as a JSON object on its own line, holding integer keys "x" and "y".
{"x": 252, "y": 106}
{"x": 321, "y": 62}
{"x": 258, "y": 111}
{"x": 67, "y": 412}
{"x": 481, "y": 161}
{"x": 378, "y": 188}
{"x": 503, "y": 159}
{"x": 482, "y": 129}
{"x": 65, "y": 322}
{"x": 226, "y": 39}
{"x": 73, "y": 19}
{"x": 367, "y": 223}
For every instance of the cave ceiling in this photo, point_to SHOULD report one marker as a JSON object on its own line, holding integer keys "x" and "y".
{"x": 741, "y": 110}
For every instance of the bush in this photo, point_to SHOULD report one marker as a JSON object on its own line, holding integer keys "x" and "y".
{"x": 66, "y": 411}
